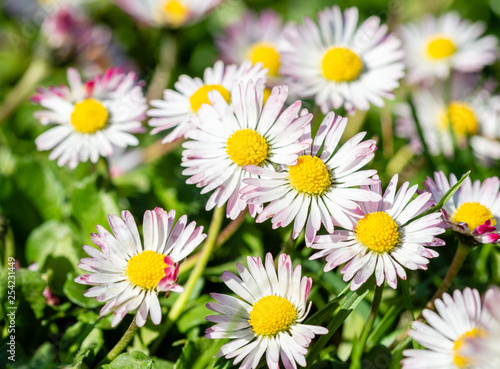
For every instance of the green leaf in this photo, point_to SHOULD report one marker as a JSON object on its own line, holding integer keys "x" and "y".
{"x": 51, "y": 246}
{"x": 40, "y": 184}
{"x": 29, "y": 300}
{"x": 379, "y": 357}
{"x": 447, "y": 196}
{"x": 133, "y": 360}
{"x": 91, "y": 206}
{"x": 347, "y": 305}
{"x": 194, "y": 316}
{"x": 197, "y": 353}
{"x": 74, "y": 292}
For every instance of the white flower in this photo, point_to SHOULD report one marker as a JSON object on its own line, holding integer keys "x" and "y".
{"x": 469, "y": 110}
{"x": 91, "y": 117}
{"x": 250, "y": 133}
{"x": 268, "y": 316}
{"x": 168, "y": 13}
{"x": 436, "y": 45}
{"x": 256, "y": 37}
{"x": 179, "y": 108}
{"x": 319, "y": 189}
{"x": 383, "y": 239}
{"x": 129, "y": 275}
{"x": 483, "y": 351}
{"x": 340, "y": 64}
{"x": 458, "y": 319}
{"x": 474, "y": 210}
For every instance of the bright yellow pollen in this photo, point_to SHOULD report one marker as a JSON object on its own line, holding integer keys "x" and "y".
{"x": 310, "y": 175}
{"x": 247, "y": 147}
{"x": 460, "y": 360}
{"x": 474, "y": 214}
{"x": 272, "y": 315}
{"x": 440, "y": 48}
{"x": 200, "y": 97}
{"x": 175, "y": 12}
{"x": 462, "y": 117}
{"x": 267, "y": 54}
{"x": 378, "y": 231}
{"x": 89, "y": 116}
{"x": 341, "y": 65}
{"x": 146, "y": 269}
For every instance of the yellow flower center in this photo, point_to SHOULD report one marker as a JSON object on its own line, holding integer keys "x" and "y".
{"x": 89, "y": 116}
{"x": 267, "y": 54}
{"x": 378, "y": 231}
{"x": 146, "y": 269}
{"x": 462, "y": 117}
{"x": 200, "y": 97}
{"x": 440, "y": 48}
{"x": 459, "y": 359}
{"x": 247, "y": 147}
{"x": 272, "y": 315}
{"x": 175, "y": 12}
{"x": 310, "y": 175}
{"x": 341, "y": 65}
{"x": 474, "y": 214}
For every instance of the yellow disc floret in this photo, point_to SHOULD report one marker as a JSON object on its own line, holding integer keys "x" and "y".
{"x": 146, "y": 269}
{"x": 440, "y": 48}
{"x": 272, "y": 315}
{"x": 459, "y": 359}
{"x": 474, "y": 214}
{"x": 89, "y": 116}
{"x": 310, "y": 175}
{"x": 175, "y": 12}
{"x": 378, "y": 231}
{"x": 341, "y": 65}
{"x": 462, "y": 118}
{"x": 200, "y": 97}
{"x": 267, "y": 54}
{"x": 247, "y": 147}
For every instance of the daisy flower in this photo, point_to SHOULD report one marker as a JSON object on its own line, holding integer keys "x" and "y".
{"x": 383, "y": 239}
{"x": 257, "y": 37}
{"x": 268, "y": 315}
{"x": 168, "y": 13}
{"x": 129, "y": 275}
{"x": 319, "y": 188}
{"x": 487, "y": 145}
{"x": 250, "y": 133}
{"x": 474, "y": 210}
{"x": 458, "y": 320}
{"x": 436, "y": 45}
{"x": 469, "y": 111}
{"x": 340, "y": 64}
{"x": 483, "y": 351}
{"x": 92, "y": 117}
{"x": 179, "y": 107}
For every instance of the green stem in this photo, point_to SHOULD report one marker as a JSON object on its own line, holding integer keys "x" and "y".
{"x": 349, "y": 303}
{"x": 407, "y": 298}
{"x": 24, "y": 88}
{"x": 359, "y": 348}
{"x": 226, "y": 234}
{"x": 288, "y": 246}
{"x": 166, "y": 63}
{"x": 421, "y": 135}
{"x": 201, "y": 264}
{"x": 124, "y": 341}
{"x": 460, "y": 256}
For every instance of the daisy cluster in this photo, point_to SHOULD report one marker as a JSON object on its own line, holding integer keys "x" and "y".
{"x": 267, "y": 130}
